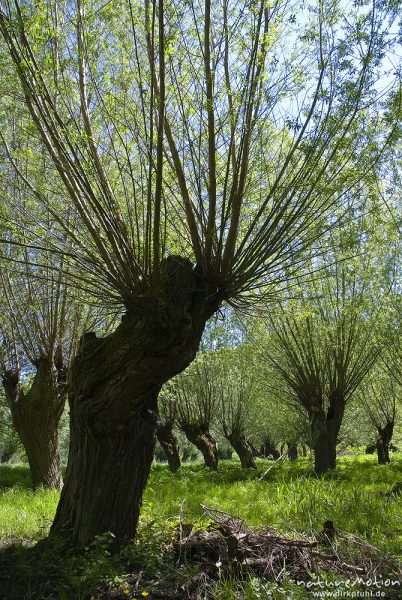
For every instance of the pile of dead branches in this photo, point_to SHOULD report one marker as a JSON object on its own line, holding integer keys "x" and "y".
{"x": 196, "y": 561}
{"x": 229, "y": 546}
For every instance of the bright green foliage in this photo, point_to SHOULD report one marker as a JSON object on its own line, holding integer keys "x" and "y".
{"x": 222, "y": 132}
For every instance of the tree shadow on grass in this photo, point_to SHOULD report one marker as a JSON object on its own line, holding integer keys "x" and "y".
{"x": 33, "y": 573}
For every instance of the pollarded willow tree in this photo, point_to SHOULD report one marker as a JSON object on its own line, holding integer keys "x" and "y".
{"x": 40, "y": 325}
{"x": 323, "y": 343}
{"x": 380, "y": 398}
{"x": 230, "y": 374}
{"x": 201, "y": 146}
{"x": 42, "y": 317}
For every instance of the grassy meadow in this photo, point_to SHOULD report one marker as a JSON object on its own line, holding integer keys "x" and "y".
{"x": 289, "y": 499}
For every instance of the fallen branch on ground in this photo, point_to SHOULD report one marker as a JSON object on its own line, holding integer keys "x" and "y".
{"x": 282, "y": 456}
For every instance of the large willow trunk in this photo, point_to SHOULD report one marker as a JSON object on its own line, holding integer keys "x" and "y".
{"x": 170, "y": 446}
{"x": 36, "y": 415}
{"x": 204, "y": 442}
{"x": 244, "y": 451}
{"x": 324, "y": 451}
{"x": 325, "y": 428}
{"x": 113, "y": 389}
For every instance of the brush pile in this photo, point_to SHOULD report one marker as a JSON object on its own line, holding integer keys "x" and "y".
{"x": 228, "y": 546}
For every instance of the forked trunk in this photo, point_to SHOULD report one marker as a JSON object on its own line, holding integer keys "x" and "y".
{"x": 325, "y": 428}
{"x": 292, "y": 452}
{"x": 382, "y": 452}
{"x": 170, "y": 446}
{"x": 383, "y": 441}
{"x": 238, "y": 441}
{"x": 113, "y": 389}
{"x": 324, "y": 452}
{"x": 204, "y": 442}
{"x": 268, "y": 449}
{"x": 36, "y": 415}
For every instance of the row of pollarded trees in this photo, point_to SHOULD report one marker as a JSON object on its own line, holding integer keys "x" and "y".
{"x": 191, "y": 155}
{"x": 216, "y": 393}
{"x": 208, "y": 405}
{"x": 336, "y": 338}
{"x": 223, "y": 392}
{"x": 331, "y": 333}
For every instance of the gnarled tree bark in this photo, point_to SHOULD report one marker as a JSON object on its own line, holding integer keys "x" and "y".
{"x": 113, "y": 389}
{"x": 36, "y": 415}
{"x": 325, "y": 426}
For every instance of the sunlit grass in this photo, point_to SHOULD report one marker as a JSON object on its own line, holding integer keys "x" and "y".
{"x": 289, "y": 498}
{"x": 26, "y": 515}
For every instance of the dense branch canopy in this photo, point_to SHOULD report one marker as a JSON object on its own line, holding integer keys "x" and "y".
{"x": 222, "y": 132}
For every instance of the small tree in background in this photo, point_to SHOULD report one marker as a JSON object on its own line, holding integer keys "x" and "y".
{"x": 197, "y": 396}
{"x": 328, "y": 333}
{"x": 167, "y": 420}
{"x": 380, "y": 397}
{"x": 40, "y": 325}
{"x": 229, "y": 373}
{"x": 323, "y": 346}
{"x": 236, "y": 395}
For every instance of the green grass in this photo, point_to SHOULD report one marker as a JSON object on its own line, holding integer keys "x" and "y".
{"x": 26, "y": 515}
{"x": 290, "y": 499}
